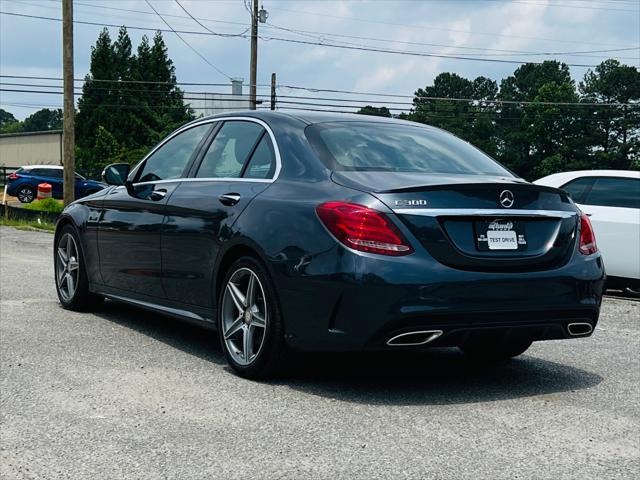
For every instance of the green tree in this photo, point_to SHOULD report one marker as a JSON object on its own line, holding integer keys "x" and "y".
{"x": 106, "y": 146}
{"x": 555, "y": 133}
{"x": 95, "y": 107}
{"x": 522, "y": 148}
{"x": 375, "y": 111}
{"x": 614, "y": 131}
{"x": 134, "y": 98}
{"x": 6, "y": 118}
{"x": 169, "y": 100}
{"x": 470, "y": 112}
{"x": 42, "y": 120}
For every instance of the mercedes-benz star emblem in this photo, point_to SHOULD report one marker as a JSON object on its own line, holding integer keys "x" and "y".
{"x": 506, "y": 198}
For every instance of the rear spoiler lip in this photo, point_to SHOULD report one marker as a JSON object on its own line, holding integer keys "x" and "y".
{"x": 468, "y": 186}
{"x": 479, "y": 212}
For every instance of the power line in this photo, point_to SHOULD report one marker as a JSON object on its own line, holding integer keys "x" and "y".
{"x": 418, "y": 27}
{"x": 569, "y": 6}
{"x": 321, "y": 35}
{"x": 421, "y": 97}
{"x": 303, "y": 42}
{"x": 150, "y": 82}
{"x": 207, "y": 28}
{"x": 187, "y": 43}
{"x": 319, "y": 90}
{"x": 315, "y": 34}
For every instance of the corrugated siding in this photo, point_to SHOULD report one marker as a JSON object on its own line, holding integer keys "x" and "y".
{"x": 16, "y": 151}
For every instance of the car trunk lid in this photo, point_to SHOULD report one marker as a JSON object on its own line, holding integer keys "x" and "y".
{"x": 477, "y": 222}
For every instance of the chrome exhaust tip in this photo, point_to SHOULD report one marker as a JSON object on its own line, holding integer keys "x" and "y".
{"x": 578, "y": 329}
{"x": 409, "y": 339}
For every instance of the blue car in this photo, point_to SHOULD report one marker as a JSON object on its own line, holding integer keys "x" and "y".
{"x": 23, "y": 183}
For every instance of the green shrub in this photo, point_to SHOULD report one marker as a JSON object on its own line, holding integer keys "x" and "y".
{"x": 46, "y": 205}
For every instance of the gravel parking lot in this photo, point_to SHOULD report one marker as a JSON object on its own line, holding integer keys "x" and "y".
{"x": 120, "y": 393}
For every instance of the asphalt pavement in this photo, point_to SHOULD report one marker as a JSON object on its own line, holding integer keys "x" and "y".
{"x": 124, "y": 394}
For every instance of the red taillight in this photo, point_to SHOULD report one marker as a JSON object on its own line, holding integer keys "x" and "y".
{"x": 587, "y": 237}
{"x": 13, "y": 176}
{"x": 363, "y": 229}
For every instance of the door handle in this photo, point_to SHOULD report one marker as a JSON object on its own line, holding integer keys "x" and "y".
{"x": 157, "y": 194}
{"x": 229, "y": 199}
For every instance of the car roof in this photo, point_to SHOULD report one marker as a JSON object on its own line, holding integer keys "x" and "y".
{"x": 30, "y": 167}
{"x": 567, "y": 176}
{"x": 309, "y": 117}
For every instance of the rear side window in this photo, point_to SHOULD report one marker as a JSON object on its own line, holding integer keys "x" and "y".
{"x": 45, "y": 172}
{"x": 614, "y": 192}
{"x": 578, "y": 188}
{"x": 230, "y": 149}
{"x": 171, "y": 159}
{"x": 263, "y": 161}
{"x": 365, "y": 146}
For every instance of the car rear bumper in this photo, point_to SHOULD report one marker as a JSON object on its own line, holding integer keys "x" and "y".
{"x": 386, "y": 298}
{"x": 12, "y": 189}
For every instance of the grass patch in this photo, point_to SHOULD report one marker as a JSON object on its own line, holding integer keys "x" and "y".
{"x": 28, "y": 225}
{"x": 50, "y": 205}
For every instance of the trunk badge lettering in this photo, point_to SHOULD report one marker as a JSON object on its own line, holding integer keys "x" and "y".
{"x": 410, "y": 203}
{"x": 506, "y": 198}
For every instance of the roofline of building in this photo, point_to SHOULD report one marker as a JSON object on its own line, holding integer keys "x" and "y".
{"x": 27, "y": 134}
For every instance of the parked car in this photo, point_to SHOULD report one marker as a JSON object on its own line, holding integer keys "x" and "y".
{"x": 611, "y": 199}
{"x": 334, "y": 233}
{"x": 23, "y": 183}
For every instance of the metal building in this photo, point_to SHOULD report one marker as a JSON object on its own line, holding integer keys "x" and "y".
{"x": 31, "y": 148}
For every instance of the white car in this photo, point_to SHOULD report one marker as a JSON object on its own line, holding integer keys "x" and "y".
{"x": 611, "y": 198}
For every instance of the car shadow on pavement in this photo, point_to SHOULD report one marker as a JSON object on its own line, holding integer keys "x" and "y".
{"x": 440, "y": 376}
{"x": 188, "y": 338}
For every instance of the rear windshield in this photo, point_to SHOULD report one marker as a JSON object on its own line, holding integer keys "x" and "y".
{"x": 364, "y": 146}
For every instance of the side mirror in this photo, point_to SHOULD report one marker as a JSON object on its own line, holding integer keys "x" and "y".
{"x": 116, "y": 173}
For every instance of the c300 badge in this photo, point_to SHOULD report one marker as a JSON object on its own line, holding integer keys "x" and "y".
{"x": 410, "y": 203}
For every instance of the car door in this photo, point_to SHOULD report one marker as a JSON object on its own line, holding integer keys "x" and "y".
{"x": 53, "y": 176}
{"x": 238, "y": 163}
{"x": 613, "y": 204}
{"x": 131, "y": 222}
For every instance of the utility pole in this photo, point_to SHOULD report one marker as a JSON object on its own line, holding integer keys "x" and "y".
{"x": 273, "y": 91}
{"x": 68, "y": 132}
{"x": 256, "y": 16}
{"x": 254, "y": 55}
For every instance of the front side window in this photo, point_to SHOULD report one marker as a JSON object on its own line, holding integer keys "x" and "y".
{"x": 54, "y": 173}
{"x": 389, "y": 147}
{"x": 230, "y": 149}
{"x": 615, "y": 192}
{"x": 171, "y": 159}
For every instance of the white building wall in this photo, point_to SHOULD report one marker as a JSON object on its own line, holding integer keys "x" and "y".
{"x": 205, "y": 104}
{"x": 31, "y": 148}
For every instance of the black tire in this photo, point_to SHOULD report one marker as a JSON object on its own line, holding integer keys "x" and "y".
{"x": 81, "y": 299}
{"x": 26, "y": 194}
{"x": 273, "y": 352}
{"x": 495, "y": 352}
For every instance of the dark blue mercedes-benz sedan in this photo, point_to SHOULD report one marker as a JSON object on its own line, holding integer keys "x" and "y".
{"x": 333, "y": 232}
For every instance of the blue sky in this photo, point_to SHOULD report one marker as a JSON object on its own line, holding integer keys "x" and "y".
{"x": 478, "y": 28}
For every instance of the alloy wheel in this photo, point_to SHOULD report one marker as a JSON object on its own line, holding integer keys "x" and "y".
{"x": 67, "y": 267}
{"x": 25, "y": 195}
{"x": 244, "y": 316}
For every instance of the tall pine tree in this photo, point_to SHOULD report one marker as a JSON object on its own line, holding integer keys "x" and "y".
{"x": 133, "y": 99}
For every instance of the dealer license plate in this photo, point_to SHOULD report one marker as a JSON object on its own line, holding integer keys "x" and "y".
{"x": 501, "y": 234}
{"x": 502, "y": 240}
